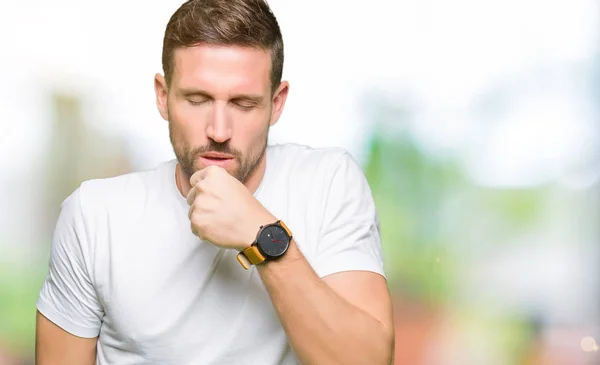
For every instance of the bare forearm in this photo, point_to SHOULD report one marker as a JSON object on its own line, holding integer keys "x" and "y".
{"x": 322, "y": 327}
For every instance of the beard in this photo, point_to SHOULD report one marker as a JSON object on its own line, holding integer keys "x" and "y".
{"x": 245, "y": 164}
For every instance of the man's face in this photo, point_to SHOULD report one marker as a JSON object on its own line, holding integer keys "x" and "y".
{"x": 220, "y": 107}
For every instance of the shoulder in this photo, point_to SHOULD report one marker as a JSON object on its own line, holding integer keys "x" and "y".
{"x": 121, "y": 192}
{"x": 325, "y": 176}
{"x": 306, "y": 159}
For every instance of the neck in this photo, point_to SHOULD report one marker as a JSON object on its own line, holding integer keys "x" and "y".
{"x": 252, "y": 183}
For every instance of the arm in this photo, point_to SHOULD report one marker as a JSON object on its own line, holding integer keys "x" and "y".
{"x": 69, "y": 313}
{"x": 53, "y": 345}
{"x": 337, "y": 308}
{"x": 344, "y": 318}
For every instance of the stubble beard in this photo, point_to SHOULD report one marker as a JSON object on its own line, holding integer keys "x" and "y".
{"x": 187, "y": 156}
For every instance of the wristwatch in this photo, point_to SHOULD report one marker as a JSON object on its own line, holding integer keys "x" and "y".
{"x": 272, "y": 241}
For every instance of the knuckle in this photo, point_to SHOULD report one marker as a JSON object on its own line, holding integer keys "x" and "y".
{"x": 197, "y": 230}
{"x": 200, "y": 186}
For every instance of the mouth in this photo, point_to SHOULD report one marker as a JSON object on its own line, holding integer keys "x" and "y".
{"x": 218, "y": 159}
{"x": 216, "y": 156}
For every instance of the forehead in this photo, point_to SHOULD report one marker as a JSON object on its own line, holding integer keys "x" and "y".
{"x": 222, "y": 69}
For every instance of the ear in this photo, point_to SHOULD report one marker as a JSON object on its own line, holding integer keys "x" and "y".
{"x": 161, "y": 90}
{"x": 279, "y": 98}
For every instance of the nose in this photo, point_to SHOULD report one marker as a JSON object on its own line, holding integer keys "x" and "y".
{"x": 219, "y": 127}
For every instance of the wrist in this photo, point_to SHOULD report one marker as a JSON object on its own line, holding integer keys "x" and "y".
{"x": 253, "y": 227}
{"x": 272, "y": 241}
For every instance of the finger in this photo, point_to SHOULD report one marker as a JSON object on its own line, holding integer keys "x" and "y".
{"x": 192, "y": 195}
{"x": 190, "y": 212}
{"x": 199, "y": 176}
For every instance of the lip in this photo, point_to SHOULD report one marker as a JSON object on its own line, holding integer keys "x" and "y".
{"x": 209, "y": 159}
{"x": 216, "y": 155}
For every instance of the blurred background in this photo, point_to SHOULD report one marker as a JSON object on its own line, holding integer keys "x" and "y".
{"x": 476, "y": 122}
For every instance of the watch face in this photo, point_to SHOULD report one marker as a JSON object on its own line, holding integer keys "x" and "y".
{"x": 273, "y": 241}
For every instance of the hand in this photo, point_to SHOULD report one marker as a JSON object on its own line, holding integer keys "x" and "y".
{"x": 222, "y": 210}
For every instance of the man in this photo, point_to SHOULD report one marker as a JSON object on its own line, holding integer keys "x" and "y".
{"x": 234, "y": 253}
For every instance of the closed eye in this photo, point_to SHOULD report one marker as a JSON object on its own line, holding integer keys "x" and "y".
{"x": 246, "y": 106}
{"x": 197, "y": 102}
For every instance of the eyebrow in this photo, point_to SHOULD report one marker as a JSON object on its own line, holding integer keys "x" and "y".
{"x": 199, "y": 92}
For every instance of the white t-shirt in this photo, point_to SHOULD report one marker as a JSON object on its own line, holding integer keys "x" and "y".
{"x": 126, "y": 267}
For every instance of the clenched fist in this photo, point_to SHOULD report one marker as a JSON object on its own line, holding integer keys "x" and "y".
{"x": 223, "y": 211}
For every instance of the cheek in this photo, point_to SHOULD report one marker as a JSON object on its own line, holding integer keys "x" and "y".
{"x": 251, "y": 129}
{"x": 187, "y": 123}
{"x": 186, "y": 116}
{"x": 252, "y": 123}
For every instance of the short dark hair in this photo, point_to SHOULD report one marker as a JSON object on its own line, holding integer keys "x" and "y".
{"x": 247, "y": 23}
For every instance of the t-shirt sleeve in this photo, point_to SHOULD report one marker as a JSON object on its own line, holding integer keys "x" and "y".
{"x": 68, "y": 297}
{"x": 350, "y": 235}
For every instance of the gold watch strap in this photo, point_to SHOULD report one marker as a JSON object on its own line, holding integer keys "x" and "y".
{"x": 250, "y": 256}
{"x": 285, "y": 227}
